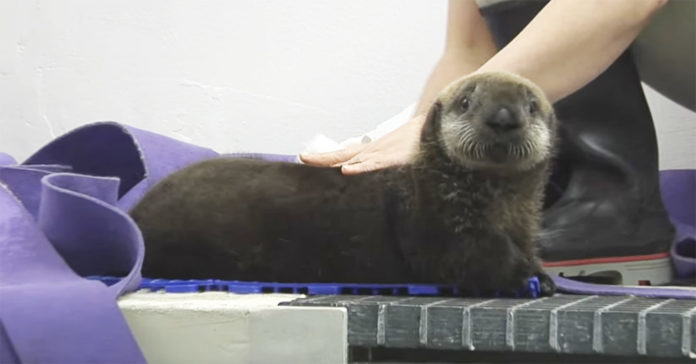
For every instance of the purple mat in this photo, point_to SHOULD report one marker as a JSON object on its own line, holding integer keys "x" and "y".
{"x": 679, "y": 194}
{"x": 62, "y": 218}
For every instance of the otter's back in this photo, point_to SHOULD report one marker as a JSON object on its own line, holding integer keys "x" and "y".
{"x": 258, "y": 220}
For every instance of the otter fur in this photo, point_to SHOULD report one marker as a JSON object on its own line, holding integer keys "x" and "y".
{"x": 465, "y": 211}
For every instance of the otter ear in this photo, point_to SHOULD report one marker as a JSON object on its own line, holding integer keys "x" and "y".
{"x": 431, "y": 127}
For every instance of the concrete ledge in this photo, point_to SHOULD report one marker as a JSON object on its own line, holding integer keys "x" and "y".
{"x": 215, "y": 327}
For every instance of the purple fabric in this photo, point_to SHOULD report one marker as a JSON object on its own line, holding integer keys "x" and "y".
{"x": 62, "y": 217}
{"x": 566, "y": 285}
{"x": 684, "y": 250}
{"x": 6, "y": 159}
{"x": 679, "y": 194}
{"x": 48, "y": 313}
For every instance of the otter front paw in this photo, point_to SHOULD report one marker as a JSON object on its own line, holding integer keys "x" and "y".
{"x": 547, "y": 287}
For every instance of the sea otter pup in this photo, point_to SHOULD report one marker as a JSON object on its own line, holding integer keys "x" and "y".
{"x": 464, "y": 212}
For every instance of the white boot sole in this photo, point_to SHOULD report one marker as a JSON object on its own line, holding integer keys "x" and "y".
{"x": 654, "y": 269}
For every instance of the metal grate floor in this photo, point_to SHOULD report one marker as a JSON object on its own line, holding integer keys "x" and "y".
{"x": 623, "y": 326}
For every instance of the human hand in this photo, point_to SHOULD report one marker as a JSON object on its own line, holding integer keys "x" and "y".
{"x": 394, "y": 148}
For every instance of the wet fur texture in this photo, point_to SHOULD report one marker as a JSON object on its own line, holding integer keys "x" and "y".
{"x": 454, "y": 215}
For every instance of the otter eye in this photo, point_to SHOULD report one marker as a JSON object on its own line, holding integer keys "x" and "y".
{"x": 533, "y": 107}
{"x": 465, "y": 104}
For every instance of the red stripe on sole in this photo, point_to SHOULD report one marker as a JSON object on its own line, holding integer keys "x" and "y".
{"x": 633, "y": 258}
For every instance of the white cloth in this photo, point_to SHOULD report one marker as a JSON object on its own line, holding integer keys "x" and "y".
{"x": 321, "y": 143}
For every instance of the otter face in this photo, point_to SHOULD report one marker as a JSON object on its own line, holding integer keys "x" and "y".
{"x": 496, "y": 120}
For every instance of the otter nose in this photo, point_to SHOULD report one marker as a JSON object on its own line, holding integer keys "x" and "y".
{"x": 503, "y": 120}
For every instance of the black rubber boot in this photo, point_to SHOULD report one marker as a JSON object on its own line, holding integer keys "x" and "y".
{"x": 604, "y": 214}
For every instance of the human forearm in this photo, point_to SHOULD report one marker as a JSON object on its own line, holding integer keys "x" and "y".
{"x": 468, "y": 46}
{"x": 571, "y": 42}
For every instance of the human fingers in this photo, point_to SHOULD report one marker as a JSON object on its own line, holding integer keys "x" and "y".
{"x": 361, "y": 167}
{"x": 372, "y": 161}
{"x": 330, "y": 159}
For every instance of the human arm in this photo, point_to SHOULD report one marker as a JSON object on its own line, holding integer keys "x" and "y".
{"x": 468, "y": 45}
{"x": 571, "y": 42}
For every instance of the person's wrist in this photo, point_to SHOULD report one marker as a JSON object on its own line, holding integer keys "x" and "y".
{"x": 417, "y": 121}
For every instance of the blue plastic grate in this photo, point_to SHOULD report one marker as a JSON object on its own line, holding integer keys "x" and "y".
{"x": 212, "y": 285}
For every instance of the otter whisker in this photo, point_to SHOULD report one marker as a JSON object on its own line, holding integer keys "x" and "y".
{"x": 527, "y": 147}
{"x": 517, "y": 151}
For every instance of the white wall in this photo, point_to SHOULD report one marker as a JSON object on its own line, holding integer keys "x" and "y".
{"x": 676, "y": 131}
{"x": 262, "y": 75}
